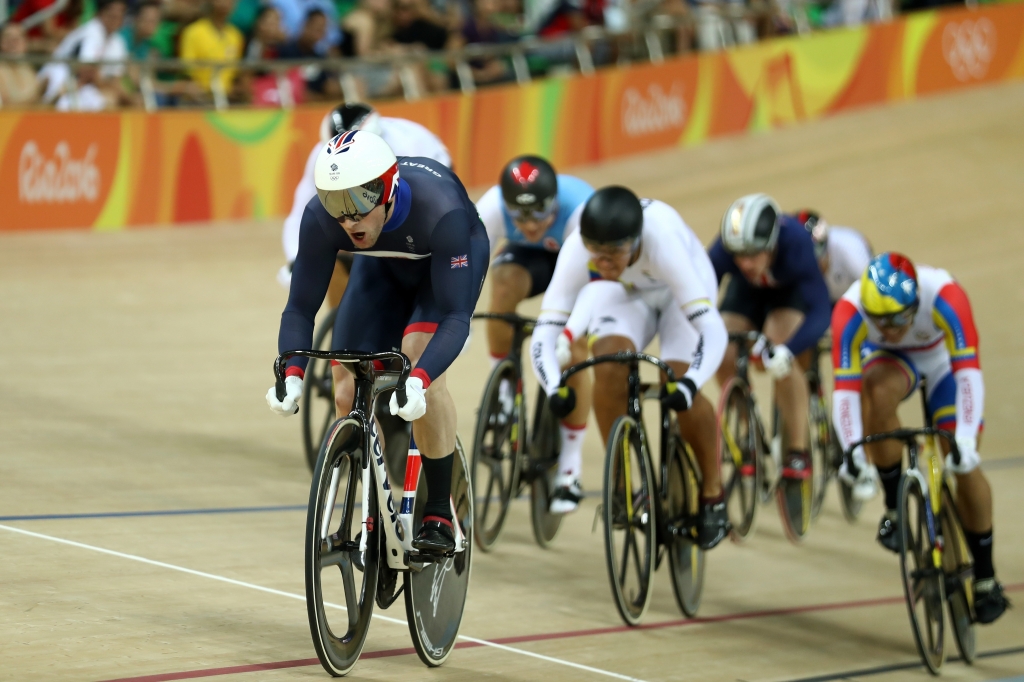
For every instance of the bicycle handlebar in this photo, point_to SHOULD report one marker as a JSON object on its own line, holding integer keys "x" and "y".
{"x": 346, "y": 356}
{"x": 621, "y": 356}
{"x": 905, "y": 435}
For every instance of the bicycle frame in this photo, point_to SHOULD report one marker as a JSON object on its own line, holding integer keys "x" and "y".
{"x": 368, "y": 385}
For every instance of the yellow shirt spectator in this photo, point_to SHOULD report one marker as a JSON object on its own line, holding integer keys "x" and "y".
{"x": 203, "y": 40}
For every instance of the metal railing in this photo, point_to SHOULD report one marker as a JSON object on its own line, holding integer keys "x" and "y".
{"x": 647, "y": 42}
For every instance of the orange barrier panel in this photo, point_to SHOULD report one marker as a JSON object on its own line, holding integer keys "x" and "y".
{"x": 112, "y": 170}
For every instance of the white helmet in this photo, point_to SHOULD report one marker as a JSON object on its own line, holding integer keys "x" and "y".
{"x": 751, "y": 224}
{"x": 354, "y": 173}
{"x": 345, "y": 117}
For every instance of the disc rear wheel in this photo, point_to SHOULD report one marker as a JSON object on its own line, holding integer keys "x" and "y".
{"x": 629, "y": 523}
{"x": 923, "y": 580}
{"x": 544, "y": 466}
{"x": 794, "y": 494}
{"x": 497, "y": 452}
{"x": 686, "y": 558}
{"x": 340, "y": 606}
{"x": 739, "y": 458}
{"x": 435, "y": 593}
{"x": 958, "y": 566}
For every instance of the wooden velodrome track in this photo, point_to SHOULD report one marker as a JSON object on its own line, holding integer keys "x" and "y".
{"x": 132, "y": 373}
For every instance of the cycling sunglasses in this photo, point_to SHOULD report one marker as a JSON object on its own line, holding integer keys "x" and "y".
{"x": 895, "y": 320}
{"x": 619, "y": 248}
{"x": 354, "y": 203}
{"x": 536, "y": 212}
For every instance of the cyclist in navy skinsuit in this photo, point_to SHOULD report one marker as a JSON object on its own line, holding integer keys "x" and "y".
{"x": 418, "y": 292}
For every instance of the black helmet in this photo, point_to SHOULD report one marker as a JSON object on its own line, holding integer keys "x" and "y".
{"x": 529, "y": 186}
{"x": 346, "y": 117}
{"x": 611, "y": 216}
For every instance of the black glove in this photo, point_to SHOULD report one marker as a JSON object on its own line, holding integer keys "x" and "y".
{"x": 680, "y": 395}
{"x": 562, "y": 402}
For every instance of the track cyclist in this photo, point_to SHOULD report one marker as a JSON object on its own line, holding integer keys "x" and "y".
{"x": 529, "y": 209}
{"x": 895, "y": 326}
{"x": 632, "y": 270}
{"x": 426, "y": 257}
{"x": 776, "y": 287}
{"x": 842, "y": 252}
{"x": 406, "y": 138}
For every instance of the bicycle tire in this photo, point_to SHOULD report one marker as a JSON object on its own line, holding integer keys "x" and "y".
{"x": 544, "y": 461}
{"x": 923, "y": 582}
{"x": 739, "y": 457}
{"x": 959, "y": 569}
{"x": 629, "y": 507}
{"x": 497, "y": 454}
{"x": 342, "y": 452}
{"x": 821, "y": 451}
{"x": 443, "y": 585}
{"x": 795, "y": 498}
{"x": 318, "y": 394}
{"x": 682, "y": 505}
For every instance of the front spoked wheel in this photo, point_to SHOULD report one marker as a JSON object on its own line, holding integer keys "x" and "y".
{"x": 435, "y": 593}
{"x": 317, "y": 403}
{"x": 923, "y": 580}
{"x": 336, "y": 526}
{"x": 544, "y": 461}
{"x": 958, "y": 566}
{"x": 497, "y": 452}
{"x": 629, "y": 524}
{"x": 686, "y": 558}
{"x": 739, "y": 457}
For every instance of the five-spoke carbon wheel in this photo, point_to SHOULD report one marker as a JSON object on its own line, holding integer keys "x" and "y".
{"x": 497, "y": 452}
{"x": 923, "y": 580}
{"x": 341, "y": 570}
{"x": 629, "y": 524}
{"x": 739, "y": 454}
{"x": 682, "y": 505}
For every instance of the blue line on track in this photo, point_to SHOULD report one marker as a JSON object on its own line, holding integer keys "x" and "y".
{"x": 167, "y": 512}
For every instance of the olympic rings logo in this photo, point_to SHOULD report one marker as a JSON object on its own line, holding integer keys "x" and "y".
{"x": 969, "y": 47}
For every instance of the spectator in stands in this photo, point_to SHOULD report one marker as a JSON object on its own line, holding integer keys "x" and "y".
{"x": 295, "y": 16}
{"x": 213, "y": 38}
{"x": 413, "y": 26}
{"x": 138, "y": 37}
{"x": 369, "y": 24}
{"x": 44, "y": 37}
{"x": 267, "y": 35}
{"x": 554, "y": 18}
{"x": 18, "y": 82}
{"x": 480, "y": 29}
{"x": 95, "y": 40}
{"x": 319, "y": 84}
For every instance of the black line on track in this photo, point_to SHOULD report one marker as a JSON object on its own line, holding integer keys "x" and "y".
{"x": 896, "y": 667}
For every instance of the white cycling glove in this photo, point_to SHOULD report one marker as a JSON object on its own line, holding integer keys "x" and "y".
{"x": 969, "y": 458}
{"x": 292, "y": 393}
{"x": 415, "y": 400}
{"x": 778, "y": 361}
{"x": 563, "y": 350}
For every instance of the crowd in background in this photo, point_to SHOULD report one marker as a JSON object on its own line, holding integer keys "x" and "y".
{"x": 237, "y": 31}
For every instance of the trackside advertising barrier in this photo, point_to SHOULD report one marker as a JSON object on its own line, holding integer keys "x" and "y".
{"x": 117, "y": 170}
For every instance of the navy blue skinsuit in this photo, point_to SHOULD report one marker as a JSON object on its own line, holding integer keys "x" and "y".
{"x": 794, "y": 280}
{"x": 423, "y": 274}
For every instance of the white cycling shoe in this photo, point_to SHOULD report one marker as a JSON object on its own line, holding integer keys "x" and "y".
{"x": 566, "y": 496}
{"x": 865, "y": 485}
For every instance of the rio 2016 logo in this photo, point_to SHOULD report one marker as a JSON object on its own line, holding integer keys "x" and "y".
{"x": 968, "y": 47}
{"x": 654, "y": 112}
{"x": 60, "y": 179}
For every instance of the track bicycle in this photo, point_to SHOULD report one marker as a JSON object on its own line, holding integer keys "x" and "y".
{"x": 751, "y": 463}
{"x": 505, "y": 457}
{"x": 371, "y": 541}
{"x": 935, "y": 562}
{"x": 648, "y": 513}
{"x": 824, "y": 444}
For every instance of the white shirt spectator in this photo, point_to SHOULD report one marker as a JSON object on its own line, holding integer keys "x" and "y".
{"x": 87, "y": 43}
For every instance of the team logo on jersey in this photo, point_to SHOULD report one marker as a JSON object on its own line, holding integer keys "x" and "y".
{"x": 460, "y": 261}
{"x": 525, "y": 173}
